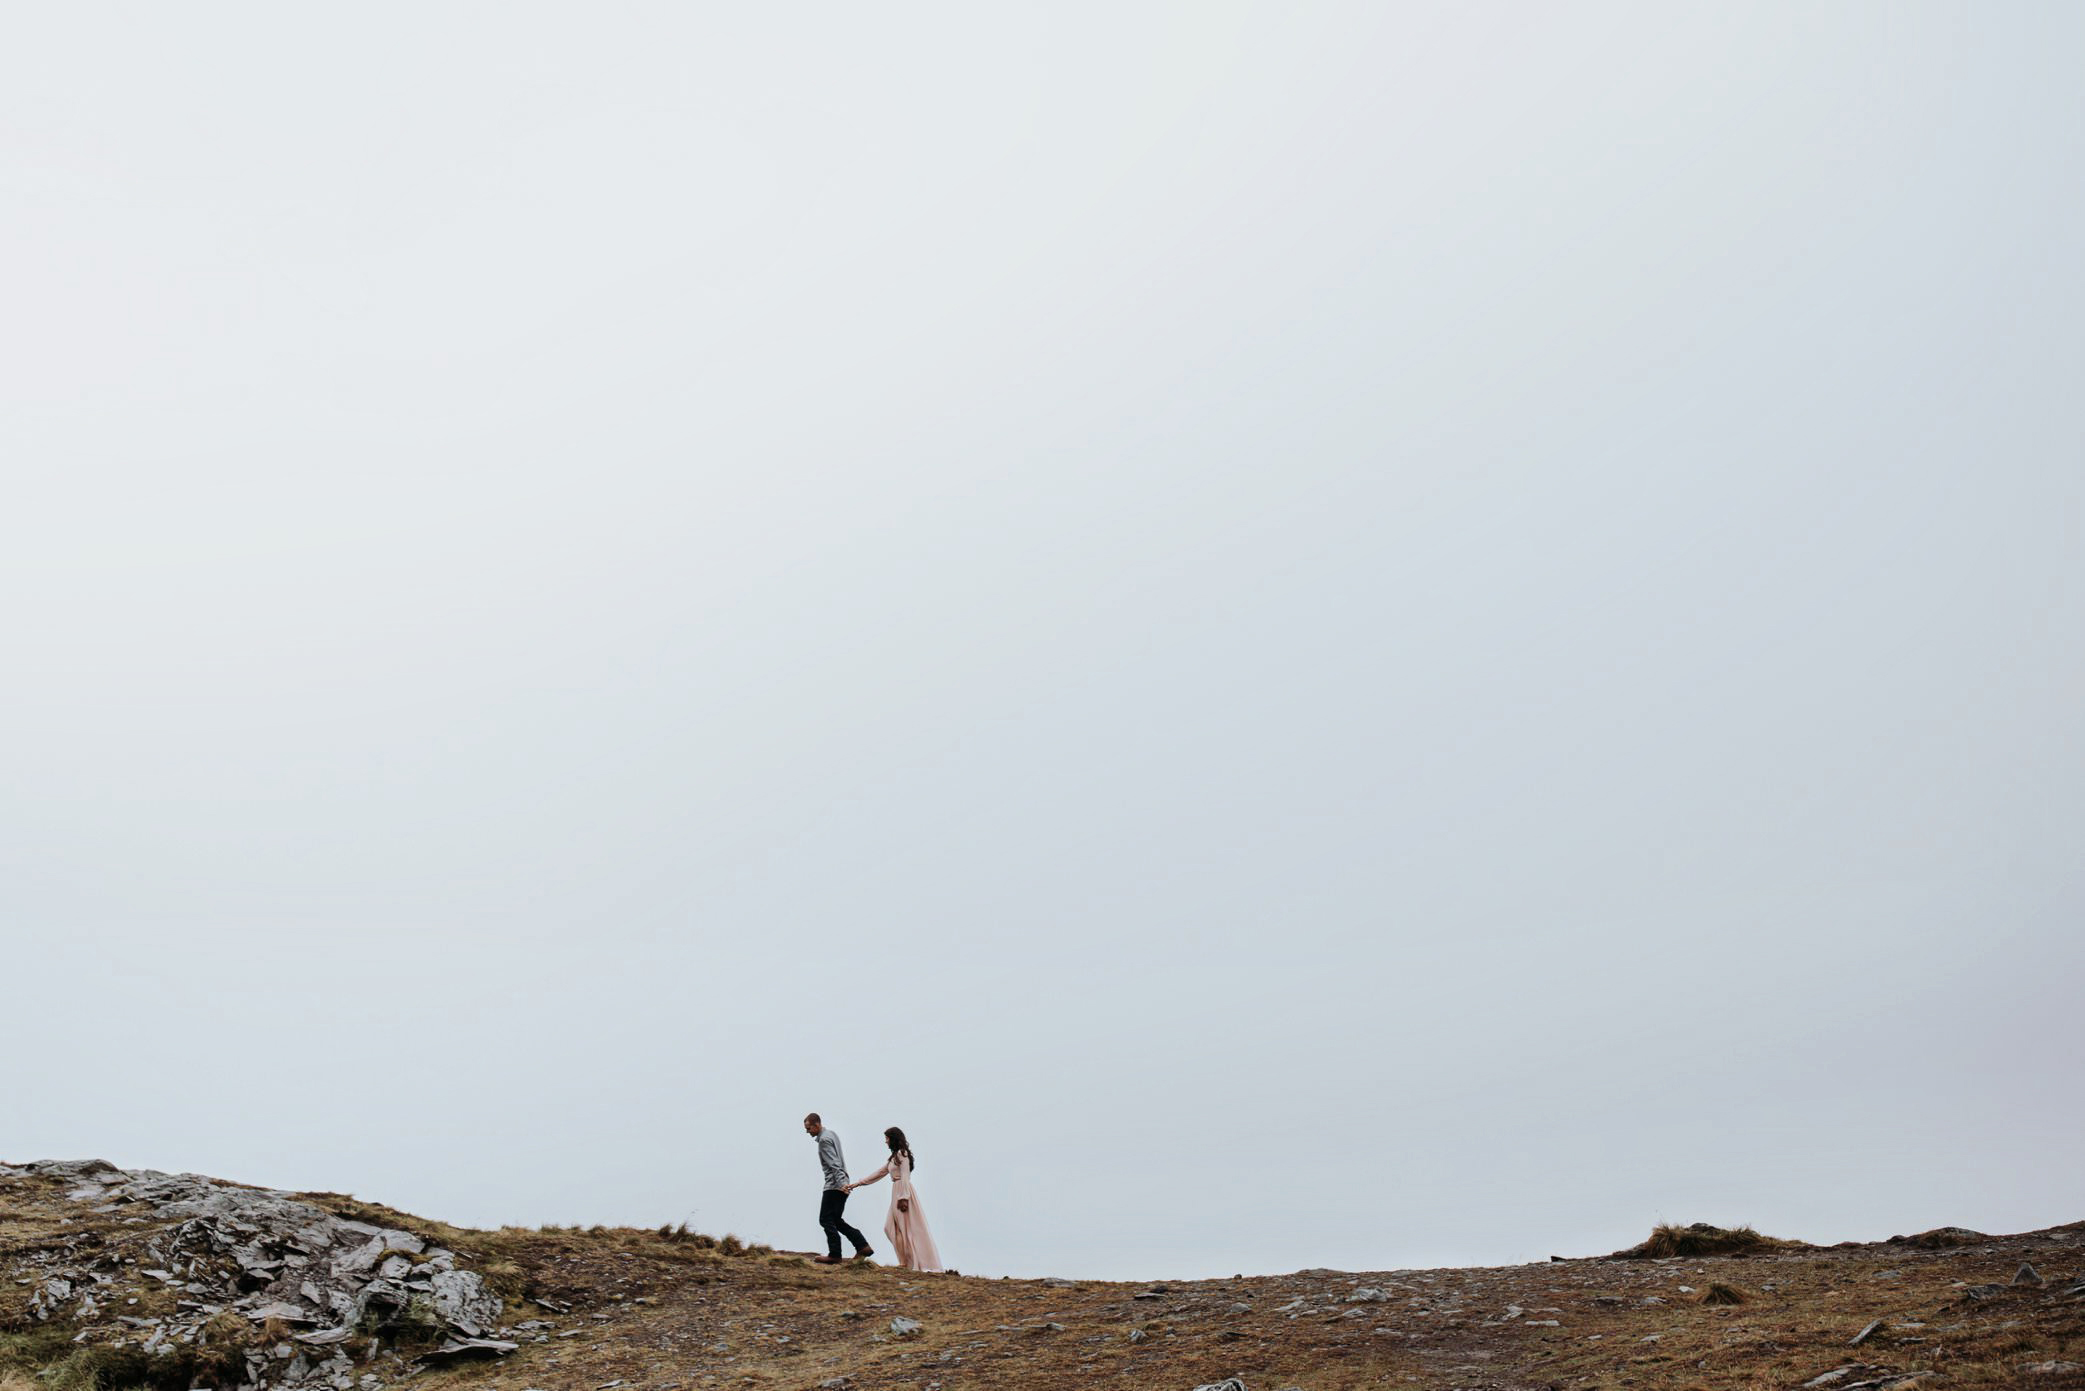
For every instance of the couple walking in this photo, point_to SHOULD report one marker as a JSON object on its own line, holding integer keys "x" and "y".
{"x": 906, "y": 1226}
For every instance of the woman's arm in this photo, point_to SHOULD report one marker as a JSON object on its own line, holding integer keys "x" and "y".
{"x": 865, "y": 1182}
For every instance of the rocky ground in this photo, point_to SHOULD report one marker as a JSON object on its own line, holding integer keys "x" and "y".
{"x": 111, "y": 1279}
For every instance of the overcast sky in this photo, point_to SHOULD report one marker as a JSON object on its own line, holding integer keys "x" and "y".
{"x": 1311, "y": 635}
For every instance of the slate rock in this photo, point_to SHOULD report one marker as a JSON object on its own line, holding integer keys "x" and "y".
{"x": 461, "y": 1298}
{"x": 460, "y": 1348}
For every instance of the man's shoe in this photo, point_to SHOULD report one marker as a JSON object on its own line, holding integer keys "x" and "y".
{"x": 863, "y": 1254}
{"x": 826, "y": 1260}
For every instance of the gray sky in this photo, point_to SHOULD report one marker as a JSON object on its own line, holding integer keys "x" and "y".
{"x": 1355, "y": 635}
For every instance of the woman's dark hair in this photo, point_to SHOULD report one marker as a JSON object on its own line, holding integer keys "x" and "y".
{"x": 900, "y": 1145}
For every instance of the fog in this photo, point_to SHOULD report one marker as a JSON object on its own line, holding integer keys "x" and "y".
{"x": 1339, "y": 635}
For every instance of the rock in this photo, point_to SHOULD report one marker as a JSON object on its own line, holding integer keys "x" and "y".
{"x": 836, "y": 1384}
{"x": 2027, "y": 1275}
{"x": 324, "y": 1337}
{"x": 1137, "y": 1335}
{"x": 72, "y": 1168}
{"x": 904, "y": 1327}
{"x": 2050, "y": 1369}
{"x": 458, "y": 1348}
{"x": 461, "y": 1298}
{"x": 280, "y": 1309}
{"x": 1865, "y": 1334}
{"x": 1871, "y": 1378}
{"x": 380, "y": 1302}
{"x": 1227, "y": 1384}
{"x": 1367, "y": 1294}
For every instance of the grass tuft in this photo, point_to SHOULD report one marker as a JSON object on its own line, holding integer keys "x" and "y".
{"x": 1700, "y": 1239}
{"x": 1940, "y": 1239}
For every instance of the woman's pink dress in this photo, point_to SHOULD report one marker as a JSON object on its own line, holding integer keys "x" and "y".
{"x": 909, "y": 1237}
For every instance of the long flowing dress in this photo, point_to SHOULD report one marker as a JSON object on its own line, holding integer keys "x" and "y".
{"x": 907, "y": 1230}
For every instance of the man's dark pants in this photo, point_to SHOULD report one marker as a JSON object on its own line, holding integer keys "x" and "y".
{"x": 830, "y": 1208}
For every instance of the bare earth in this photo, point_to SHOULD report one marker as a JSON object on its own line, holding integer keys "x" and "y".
{"x": 639, "y": 1309}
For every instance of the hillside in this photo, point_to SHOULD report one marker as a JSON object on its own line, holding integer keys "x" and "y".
{"x": 113, "y": 1279}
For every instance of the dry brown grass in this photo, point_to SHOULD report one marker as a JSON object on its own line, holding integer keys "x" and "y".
{"x": 1701, "y": 1239}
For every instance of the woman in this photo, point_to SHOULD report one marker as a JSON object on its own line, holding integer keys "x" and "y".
{"x": 907, "y": 1225}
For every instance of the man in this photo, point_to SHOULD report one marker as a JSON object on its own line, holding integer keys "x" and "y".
{"x": 833, "y": 1203}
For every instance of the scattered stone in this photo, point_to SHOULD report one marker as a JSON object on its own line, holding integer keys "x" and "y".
{"x": 473, "y": 1347}
{"x": 324, "y": 1337}
{"x": 904, "y": 1327}
{"x": 2050, "y": 1369}
{"x": 281, "y": 1309}
{"x": 1137, "y": 1335}
{"x": 1227, "y": 1384}
{"x": 836, "y": 1384}
{"x": 2027, "y": 1275}
{"x": 1865, "y": 1334}
{"x": 1367, "y": 1294}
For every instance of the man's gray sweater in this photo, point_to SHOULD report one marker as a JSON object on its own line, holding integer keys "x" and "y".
{"x": 830, "y": 1160}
